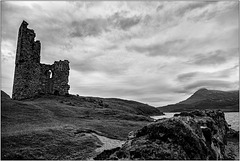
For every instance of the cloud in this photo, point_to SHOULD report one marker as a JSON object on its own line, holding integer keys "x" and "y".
{"x": 95, "y": 65}
{"x": 88, "y": 27}
{"x": 191, "y": 6}
{"x": 10, "y": 33}
{"x": 212, "y": 84}
{"x": 186, "y": 76}
{"x": 224, "y": 74}
{"x": 160, "y": 7}
{"x": 122, "y": 22}
{"x": 94, "y": 27}
{"x": 157, "y": 52}
{"x": 214, "y": 57}
{"x": 166, "y": 48}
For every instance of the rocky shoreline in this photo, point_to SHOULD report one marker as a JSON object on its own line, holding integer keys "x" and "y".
{"x": 201, "y": 135}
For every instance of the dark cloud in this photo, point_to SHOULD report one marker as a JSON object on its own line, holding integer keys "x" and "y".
{"x": 206, "y": 15}
{"x": 228, "y": 14}
{"x": 228, "y": 72}
{"x": 191, "y": 76}
{"x": 96, "y": 26}
{"x": 167, "y": 48}
{"x": 192, "y": 6}
{"x": 88, "y": 27}
{"x": 122, "y": 22}
{"x": 91, "y": 64}
{"x": 186, "y": 76}
{"x": 211, "y": 58}
{"x": 212, "y": 84}
{"x": 159, "y": 7}
{"x": 173, "y": 17}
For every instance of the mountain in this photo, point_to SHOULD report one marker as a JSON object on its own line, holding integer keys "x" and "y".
{"x": 227, "y": 101}
{"x": 65, "y": 127}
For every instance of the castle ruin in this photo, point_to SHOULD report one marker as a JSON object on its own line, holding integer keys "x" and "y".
{"x": 32, "y": 78}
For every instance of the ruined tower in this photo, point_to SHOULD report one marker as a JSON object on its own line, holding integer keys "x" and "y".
{"x": 27, "y": 64}
{"x": 31, "y": 77}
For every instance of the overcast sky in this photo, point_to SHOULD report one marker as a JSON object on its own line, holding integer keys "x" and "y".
{"x": 154, "y": 52}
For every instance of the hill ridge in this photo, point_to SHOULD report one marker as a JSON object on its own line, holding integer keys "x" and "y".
{"x": 206, "y": 99}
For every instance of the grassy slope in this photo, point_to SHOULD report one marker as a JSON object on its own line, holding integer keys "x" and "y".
{"x": 45, "y": 127}
{"x": 227, "y": 101}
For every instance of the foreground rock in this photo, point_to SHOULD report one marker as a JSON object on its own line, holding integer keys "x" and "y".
{"x": 197, "y": 135}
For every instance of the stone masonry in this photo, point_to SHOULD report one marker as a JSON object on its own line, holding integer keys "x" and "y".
{"x": 32, "y": 78}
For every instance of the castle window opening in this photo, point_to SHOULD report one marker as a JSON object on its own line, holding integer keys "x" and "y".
{"x": 49, "y": 74}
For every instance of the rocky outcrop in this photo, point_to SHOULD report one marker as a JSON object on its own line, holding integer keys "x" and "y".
{"x": 194, "y": 135}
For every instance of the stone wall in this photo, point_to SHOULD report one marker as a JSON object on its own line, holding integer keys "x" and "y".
{"x": 60, "y": 74}
{"x": 31, "y": 77}
{"x": 54, "y": 78}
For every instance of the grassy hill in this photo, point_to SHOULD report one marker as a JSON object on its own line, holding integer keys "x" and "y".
{"x": 46, "y": 127}
{"x": 227, "y": 101}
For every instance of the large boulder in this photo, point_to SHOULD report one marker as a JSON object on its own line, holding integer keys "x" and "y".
{"x": 199, "y": 135}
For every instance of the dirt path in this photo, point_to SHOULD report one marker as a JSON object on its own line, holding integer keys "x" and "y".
{"x": 108, "y": 143}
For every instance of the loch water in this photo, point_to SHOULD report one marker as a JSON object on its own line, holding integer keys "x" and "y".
{"x": 232, "y": 118}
